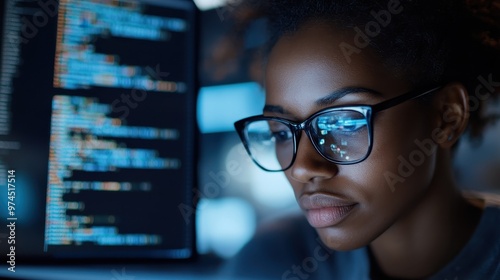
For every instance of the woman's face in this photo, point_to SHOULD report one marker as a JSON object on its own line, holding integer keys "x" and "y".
{"x": 349, "y": 205}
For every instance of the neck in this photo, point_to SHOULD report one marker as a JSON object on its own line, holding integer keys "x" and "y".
{"x": 427, "y": 237}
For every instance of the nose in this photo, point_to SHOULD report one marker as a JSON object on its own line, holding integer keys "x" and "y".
{"x": 309, "y": 165}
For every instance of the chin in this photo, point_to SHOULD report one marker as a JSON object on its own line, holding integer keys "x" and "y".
{"x": 339, "y": 239}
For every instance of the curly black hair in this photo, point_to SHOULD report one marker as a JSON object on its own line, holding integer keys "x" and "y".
{"x": 428, "y": 42}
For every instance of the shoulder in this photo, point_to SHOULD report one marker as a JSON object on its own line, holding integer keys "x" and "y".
{"x": 479, "y": 259}
{"x": 289, "y": 248}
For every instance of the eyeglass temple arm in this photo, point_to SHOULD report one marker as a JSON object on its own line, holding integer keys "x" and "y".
{"x": 402, "y": 98}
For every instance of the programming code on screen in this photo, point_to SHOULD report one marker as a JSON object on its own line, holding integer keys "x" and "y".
{"x": 98, "y": 120}
{"x": 79, "y": 65}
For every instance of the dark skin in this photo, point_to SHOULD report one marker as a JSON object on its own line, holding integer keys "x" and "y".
{"x": 414, "y": 229}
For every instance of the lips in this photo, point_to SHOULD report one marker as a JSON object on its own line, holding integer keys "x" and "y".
{"x": 324, "y": 210}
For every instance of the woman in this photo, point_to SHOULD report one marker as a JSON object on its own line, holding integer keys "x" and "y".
{"x": 365, "y": 102}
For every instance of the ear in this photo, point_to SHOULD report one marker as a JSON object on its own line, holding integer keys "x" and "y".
{"x": 451, "y": 105}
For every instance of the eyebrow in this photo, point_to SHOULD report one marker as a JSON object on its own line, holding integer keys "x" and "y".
{"x": 327, "y": 100}
{"x": 274, "y": 109}
{"x": 336, "y": 95}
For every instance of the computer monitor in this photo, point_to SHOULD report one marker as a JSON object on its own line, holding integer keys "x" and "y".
{"x": 97, "y": 129}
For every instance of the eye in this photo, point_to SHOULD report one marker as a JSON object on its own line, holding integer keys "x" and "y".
{"x": 282, "y": 136}
{"x": 280, "y": 132}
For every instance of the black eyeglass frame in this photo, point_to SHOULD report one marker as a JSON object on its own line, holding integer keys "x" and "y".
{"x": 368, "y": 112}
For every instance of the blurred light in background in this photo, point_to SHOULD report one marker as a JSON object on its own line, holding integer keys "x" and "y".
{"x": 269, "y": 189}
{"x": 220, "y": 106}
{"x": 237, "y": 195}
{"x": 477, "y": 165}
{"x": 224, "y": 225}
{"x": 209, "y": 4}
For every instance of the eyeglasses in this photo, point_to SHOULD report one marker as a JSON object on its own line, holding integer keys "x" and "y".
{"x": 340, "y": 134}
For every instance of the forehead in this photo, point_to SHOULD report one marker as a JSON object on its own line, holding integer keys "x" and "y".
{"x": 310, "y": 64}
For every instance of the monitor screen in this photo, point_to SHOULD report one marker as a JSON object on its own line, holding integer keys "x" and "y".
{"x": 97, "y": 128}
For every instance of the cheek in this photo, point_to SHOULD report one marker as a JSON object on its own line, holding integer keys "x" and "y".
{"x": 401, "y": 165}
{"x": 387, "y": 184}
{"x": 403, "y": 153}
